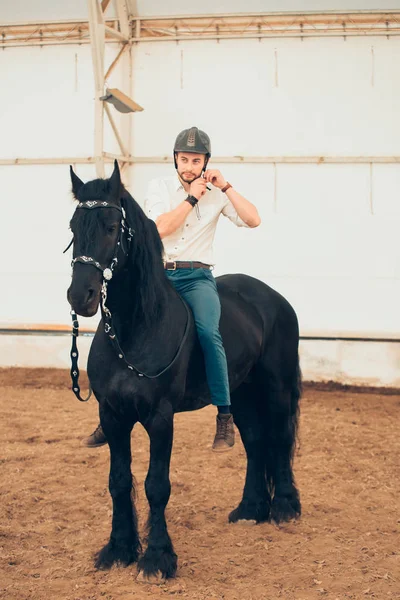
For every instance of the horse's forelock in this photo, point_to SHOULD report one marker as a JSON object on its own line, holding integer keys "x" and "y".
{"x": 98, "y": 189}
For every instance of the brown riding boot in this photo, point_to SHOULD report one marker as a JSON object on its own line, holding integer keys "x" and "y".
{"x": 225, "y": 436}
{"x": 96, "y": 439}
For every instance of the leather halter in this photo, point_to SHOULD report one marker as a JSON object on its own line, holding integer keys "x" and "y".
{"x": 88, "y": 260}
{"x": 107, "y": 273}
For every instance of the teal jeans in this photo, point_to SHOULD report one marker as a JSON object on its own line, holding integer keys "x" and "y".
{"x": 198, "y": 288}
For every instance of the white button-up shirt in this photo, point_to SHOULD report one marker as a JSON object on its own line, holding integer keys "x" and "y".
{"x": 193, "y": 240}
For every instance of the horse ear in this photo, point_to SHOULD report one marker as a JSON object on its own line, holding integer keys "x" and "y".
{"x": 115, "y": 182}
{"x": 76, "y": 182}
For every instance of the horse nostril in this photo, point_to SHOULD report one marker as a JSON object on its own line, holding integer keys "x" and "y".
{"x": 90, "y": 295}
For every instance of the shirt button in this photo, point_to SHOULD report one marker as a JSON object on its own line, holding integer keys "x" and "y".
{"x": 187, "y": 224}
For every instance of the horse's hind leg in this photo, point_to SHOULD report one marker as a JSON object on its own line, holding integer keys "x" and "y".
{"x": 280, "y": 408}
{"x": 255, "y": 503}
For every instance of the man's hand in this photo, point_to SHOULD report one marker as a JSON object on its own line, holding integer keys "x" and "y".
{"x": 214, "y": 176}
{"x": 198, "y": 188}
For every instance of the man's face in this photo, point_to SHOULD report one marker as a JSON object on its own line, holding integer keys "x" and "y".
{"x": 190, "y": 165}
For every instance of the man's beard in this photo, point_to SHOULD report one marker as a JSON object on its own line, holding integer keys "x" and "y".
{"x": 191, "y": 179}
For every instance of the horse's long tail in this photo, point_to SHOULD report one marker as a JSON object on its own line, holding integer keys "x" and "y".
{"x": 295, "y": 396}
{"x": 282, "y": 432}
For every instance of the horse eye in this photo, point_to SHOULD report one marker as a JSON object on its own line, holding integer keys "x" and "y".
{"x": 111, "y": 229}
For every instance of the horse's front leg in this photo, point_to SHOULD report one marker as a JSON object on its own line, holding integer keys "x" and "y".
{"x": 159, "y": 561}
{"x": 124, "y": 544}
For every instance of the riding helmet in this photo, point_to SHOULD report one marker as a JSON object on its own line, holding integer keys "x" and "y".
{"x": 193, "y": 140}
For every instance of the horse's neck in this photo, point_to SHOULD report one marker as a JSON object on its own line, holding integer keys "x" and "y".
{"x": 133, "y": 325}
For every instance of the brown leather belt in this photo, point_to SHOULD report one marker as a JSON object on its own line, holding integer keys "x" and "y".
{"x": 184, "y": 264}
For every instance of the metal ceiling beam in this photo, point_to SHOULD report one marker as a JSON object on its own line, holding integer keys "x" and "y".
{"x": 255, "y": 160}
{"x": 268, "y": 25}
{"x": 229, "y": 26}
{"x": 116, "y": 34}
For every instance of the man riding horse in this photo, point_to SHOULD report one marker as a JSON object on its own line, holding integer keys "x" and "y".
{"x": 186, "y": 212}
{"x": 146, "y": 363}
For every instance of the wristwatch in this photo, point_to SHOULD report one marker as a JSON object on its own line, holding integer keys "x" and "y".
{"x": 192, "y": 200}
{"x": 226, "y": 188}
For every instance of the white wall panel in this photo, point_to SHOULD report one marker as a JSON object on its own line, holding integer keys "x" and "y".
{"x": 360, "y": 363}
{"x": 328, "y": 238}
{"x": 323, "y": 191}
{"x": 273, "y": 97}
{"x": 46, "y": 102}
{"x": 46, "y": 110}
{"x": 386, "y": 188}
{"x": 36, "y": 274}
{"x": 319, "y": 243}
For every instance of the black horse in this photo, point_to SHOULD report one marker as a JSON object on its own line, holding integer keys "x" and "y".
{"x": 152, "y": 329}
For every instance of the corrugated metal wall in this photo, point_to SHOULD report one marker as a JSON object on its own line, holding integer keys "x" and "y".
{"x": 329, "y": 235}
{"x": 328, "y": 238}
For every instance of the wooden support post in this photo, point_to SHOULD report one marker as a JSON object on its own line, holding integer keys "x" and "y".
{"x": 121, "y": 9}
{"x": 123, "y": 17}
{"x": 98, "y": 30}
{"x": 104, "y": 5}
{"x": 97, "y": 38}
{"x": 115, "y": 61}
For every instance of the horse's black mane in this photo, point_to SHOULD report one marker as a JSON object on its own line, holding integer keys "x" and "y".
{"x": 145, "y": 260}
{"x": 145, "y": 256}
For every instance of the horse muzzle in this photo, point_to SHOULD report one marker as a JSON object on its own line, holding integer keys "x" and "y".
{"x": 85, "y": 302}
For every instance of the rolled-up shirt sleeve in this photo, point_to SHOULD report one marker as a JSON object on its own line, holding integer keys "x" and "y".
{"x": 155, "y": 203}
{"x": 230, "y": 211}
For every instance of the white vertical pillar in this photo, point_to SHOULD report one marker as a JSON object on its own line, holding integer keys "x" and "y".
{"x": 127, "y": 66}
{"x": 97, "y": 38}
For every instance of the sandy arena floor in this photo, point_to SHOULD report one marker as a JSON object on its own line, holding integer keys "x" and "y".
{"x": 55, "y": 508}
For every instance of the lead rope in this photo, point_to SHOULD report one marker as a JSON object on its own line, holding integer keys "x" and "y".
{"x": 109, "y": 330}
{"x": 74, "y": 361}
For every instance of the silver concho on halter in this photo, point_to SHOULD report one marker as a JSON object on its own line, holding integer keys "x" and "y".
{"x": 107, "y": 274}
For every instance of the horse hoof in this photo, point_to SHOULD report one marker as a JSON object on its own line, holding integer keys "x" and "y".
{"x": 151, "y": 579}
{"x": 247, "y": 522}
{"x": 275, "y": 523}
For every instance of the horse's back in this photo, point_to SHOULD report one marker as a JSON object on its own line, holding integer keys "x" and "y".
{"x": 253, "y": 317}
{"x": 242, "y": 295}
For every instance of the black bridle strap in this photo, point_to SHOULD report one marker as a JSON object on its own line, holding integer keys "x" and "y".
{"x": 88, "y": 260}
{"x": 109, "y": 330}
{"x": 69, "y": 246}
{"x": 89, "y": 204}
{"x": 74, "y": 361}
